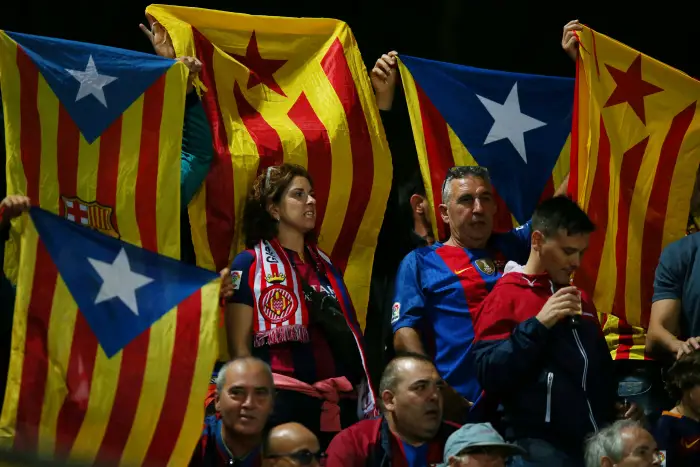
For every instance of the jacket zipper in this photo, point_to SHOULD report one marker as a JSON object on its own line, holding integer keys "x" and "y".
{"x": 548, "y": 414}
{"x": 583, "y": 379}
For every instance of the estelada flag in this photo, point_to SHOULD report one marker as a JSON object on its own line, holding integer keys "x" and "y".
{"x": 287, "y": 90}
{"x": 516, "y": 125}
{"x": 112, "y": 342}
{"x": 634, "y": 155}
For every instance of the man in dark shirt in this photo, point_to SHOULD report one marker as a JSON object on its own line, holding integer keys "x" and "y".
{"x": 410, "y": 433}
{"x": 406, "y": 223}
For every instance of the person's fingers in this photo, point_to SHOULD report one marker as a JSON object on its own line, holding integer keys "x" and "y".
{"x": 147, "y": 32}
{"x": 379, "y": 73}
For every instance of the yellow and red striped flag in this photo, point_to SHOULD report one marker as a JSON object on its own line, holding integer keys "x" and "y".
{"x": 287, "y": 90}
{"x": 100, "y": 370}
{"x": 635, "y": 151}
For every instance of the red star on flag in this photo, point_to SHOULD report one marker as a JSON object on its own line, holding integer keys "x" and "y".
{"x": 261, "y": 69}
{"x": 631, "y": 88}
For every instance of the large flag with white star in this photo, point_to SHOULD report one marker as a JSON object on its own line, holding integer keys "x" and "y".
{"x": 287, "y": 90}
{"x": 516, "y": 125}
{"x": 94, "y": 136}
{"x": 635, "y": 149}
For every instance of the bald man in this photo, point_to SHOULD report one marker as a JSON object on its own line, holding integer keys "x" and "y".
{"x": 411, "y": 431}
{"x": 244, "y": 401}
{"x": 291, "y": 445}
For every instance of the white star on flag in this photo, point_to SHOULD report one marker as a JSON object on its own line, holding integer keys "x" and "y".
{"x": 91, "y": 82}
{"x": 509, "y": 123}
{"x": 118, "y": 280}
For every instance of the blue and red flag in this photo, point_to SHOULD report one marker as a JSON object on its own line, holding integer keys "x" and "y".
{"x": 112, "y": 339}
{"x": 516, "y": 125}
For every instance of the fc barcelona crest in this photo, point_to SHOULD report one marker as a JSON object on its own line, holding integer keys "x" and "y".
{"x": 89, "y": 214}
{"x": 487, "y": 266}
{"x": 278, "y": 304}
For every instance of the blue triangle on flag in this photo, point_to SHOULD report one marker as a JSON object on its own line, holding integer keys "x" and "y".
{"x": 522, "y": 145}
{"x": 120, "y": 289}
{"x": 95, "y": 83}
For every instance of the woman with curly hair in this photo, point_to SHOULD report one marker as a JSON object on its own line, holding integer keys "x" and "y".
{"x": 677, "y": 432}
{"x": 291, "y": 308}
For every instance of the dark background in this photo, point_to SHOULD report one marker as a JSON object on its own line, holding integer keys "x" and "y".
{"x": 521, "y": 36}
{"x": 507, "y": 35}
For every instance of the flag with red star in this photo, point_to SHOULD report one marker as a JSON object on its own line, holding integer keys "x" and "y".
{"x": 634, "y": 156}
{"x": 286, "y": 90}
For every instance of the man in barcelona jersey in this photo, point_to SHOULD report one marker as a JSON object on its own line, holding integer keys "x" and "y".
{"x": 439, "y": 286}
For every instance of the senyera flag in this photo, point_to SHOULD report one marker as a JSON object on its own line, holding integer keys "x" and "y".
{"x": 634, "y": 155}
{"x": 516, "y": 125}
{"x": 112, "y": 338}
{"x": 287, "y": 90}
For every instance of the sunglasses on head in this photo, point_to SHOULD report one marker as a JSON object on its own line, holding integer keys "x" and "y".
{"x": 303, "y": 457}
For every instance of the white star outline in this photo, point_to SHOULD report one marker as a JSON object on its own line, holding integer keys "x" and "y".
{"x": 119, "y": 281}
{"x": 509, "y": 122}
{"x": 91, "y": 82}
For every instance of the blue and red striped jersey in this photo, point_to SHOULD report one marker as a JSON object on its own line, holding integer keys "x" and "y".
{"x": 438, "y": 287}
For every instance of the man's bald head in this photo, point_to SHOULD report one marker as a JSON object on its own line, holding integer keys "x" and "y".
{"x": 287, "y": 444}
{"x": 243, "y": 365}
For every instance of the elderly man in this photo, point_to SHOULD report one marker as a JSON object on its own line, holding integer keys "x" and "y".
{"x": 439, "y": 286}
{"x": 625, "y": 443}
{"x": 478, "y": 445}
{"x": 290, "y": 445}
{"x": 410, "y": 432}
{"x": 244, "y": 401}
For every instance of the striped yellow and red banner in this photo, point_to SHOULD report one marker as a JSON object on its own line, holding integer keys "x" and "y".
{"x": 65, "y": 397}
{"x": 635, "y": 152}
{"x": 287, "y": 90}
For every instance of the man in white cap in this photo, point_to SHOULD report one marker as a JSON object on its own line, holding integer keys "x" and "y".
{"x": 478, "y": 445}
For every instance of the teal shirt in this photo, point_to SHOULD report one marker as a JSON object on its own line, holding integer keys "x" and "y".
{"x": 197, "y": 150}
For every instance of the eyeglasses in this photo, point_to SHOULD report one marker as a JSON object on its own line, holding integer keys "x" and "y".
{"x": 303, "y": 457}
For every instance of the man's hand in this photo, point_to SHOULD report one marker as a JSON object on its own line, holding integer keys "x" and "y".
{"x": 383, "y": 77}
{"x": 569, "y": 41}
{"x": 159, "y": 37}
{"x": 629, "y": 411}
{"x": 226, "y": 284}
{"x": 687, "y": 347}
{"x": 13, "y": 206}
{"x": 565, "y": 302}
{"x": 195, "y": 66}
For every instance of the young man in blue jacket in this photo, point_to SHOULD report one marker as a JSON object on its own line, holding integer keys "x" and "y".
{"x": 539, "y": 347}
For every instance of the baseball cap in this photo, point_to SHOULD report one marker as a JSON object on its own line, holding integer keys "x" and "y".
{"x": 478, "y": 435}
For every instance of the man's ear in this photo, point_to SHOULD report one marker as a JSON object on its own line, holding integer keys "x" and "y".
{"x": 443, "y": 213}
{"x": 417, "y": 204}
{"x": 537, "y": 240}
{"x": 606, "y": 462}
{"x": 388, "y": 400}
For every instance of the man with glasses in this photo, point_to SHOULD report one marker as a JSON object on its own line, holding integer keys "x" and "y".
{"x": 291, "y": 445}
{"x": 439, "y": 286}
{"x": 625, "y": 443}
